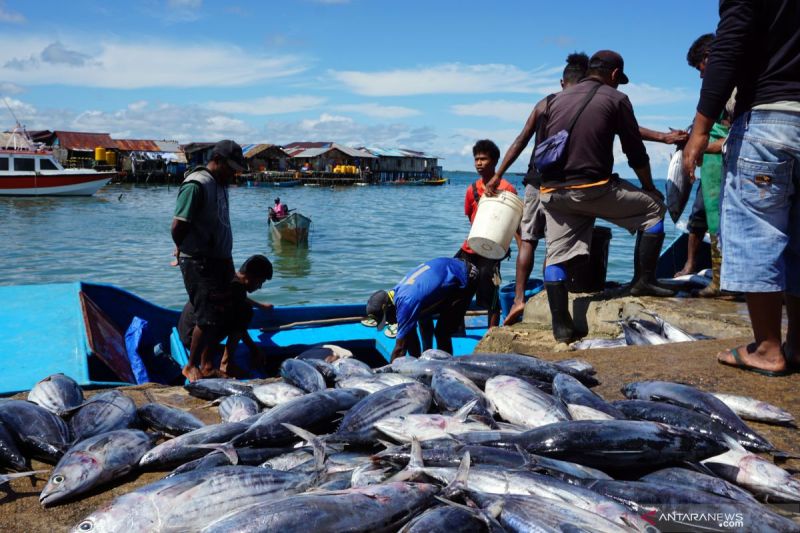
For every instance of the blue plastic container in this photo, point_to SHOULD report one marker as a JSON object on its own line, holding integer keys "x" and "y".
{"x": 534, "y": 286}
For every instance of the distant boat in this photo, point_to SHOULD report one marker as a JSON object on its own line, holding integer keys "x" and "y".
{"x": 290, "y": 183}
{"x": 293, "y": 228}
{"x": 37, "y": 173}
{"x": 434, "y": 182}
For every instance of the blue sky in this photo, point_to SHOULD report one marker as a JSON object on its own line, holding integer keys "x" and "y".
{"x": 433, "y": 75}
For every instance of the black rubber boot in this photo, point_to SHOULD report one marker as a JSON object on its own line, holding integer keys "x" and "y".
{"x": 558, "y": 298}
{"x": 645, "y": 284}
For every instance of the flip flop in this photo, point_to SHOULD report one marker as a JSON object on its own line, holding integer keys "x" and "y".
{"x": 390, "y": 331}
{"x": 741, "y": 365}
{"x": 369, "y": 322}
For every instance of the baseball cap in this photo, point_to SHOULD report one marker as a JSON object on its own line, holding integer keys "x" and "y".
{"x": 609, "y": 59}
{"x": 232, "y": 153}
{"x": 376, "y": 307}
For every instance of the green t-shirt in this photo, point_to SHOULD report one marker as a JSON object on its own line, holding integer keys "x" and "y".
{"x": 190, "y": 198}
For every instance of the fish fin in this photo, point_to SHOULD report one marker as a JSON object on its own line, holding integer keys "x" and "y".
{"x": 733, "y": 444}
{"x": 4, "y": 478}
{"x": 316, "y": 443}
{"x": 388, "y": 445}
{"x": 415, "y": 464}
{"x": 462, "y": 414}
{"x": 459, "y": 483}
{"x": 228, "y": 449}
{"x": 212, "y": 403}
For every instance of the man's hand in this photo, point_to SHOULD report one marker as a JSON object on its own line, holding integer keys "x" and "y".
{"x": 676, "y": 136}
{"x": 266, "y": 307}
{"x": 491, "y": 185}
{"x": 693, "y": 154}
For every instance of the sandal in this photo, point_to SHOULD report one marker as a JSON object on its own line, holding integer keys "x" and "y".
{"x": 740, "y": 364}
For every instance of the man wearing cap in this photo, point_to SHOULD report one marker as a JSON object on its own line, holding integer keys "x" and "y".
{"x": 582, "y": 187}
{"x": 201, "y": 230}
{"x": 444, "y": 285}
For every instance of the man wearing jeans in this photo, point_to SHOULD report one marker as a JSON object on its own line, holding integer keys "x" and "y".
{"x": 757, "y": 50}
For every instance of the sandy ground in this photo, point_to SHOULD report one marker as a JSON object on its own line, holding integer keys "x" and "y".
{"x": 692, "y": 363}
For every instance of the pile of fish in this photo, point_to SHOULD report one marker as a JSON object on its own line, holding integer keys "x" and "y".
{"x": 483, "y": 442}
{"x": 641, "y": 332}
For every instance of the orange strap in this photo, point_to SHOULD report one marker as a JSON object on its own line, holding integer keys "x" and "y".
{"x": 545, "y": 190}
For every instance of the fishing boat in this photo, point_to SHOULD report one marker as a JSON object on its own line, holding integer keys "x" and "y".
{"x": 433, "y": 182}
{"x": 290, "y": 183}
{"x": 37, "y": 173}
{"x": 102, "y": 335}
{"x": 293, "y": 228}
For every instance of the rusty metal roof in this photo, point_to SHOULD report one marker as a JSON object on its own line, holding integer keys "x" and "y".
{"x": 137, "y": 145}
{"x": 76, "y": 140}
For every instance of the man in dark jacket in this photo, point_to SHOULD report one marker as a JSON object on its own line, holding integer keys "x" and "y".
{"x": 201, "y": 229}
{"x": 757, "y": 51}
{"x": 583, "y": 188}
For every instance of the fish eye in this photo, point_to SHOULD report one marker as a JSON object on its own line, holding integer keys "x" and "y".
{"x": 86, "y": 525}
{"x": 58, "y": 479}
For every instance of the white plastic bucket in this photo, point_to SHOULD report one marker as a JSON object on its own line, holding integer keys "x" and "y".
{"x": 495, "y": 223}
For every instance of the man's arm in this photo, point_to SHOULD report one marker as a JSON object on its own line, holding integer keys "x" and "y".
{"x": 516, "y": 148}
{"x": 670, "y": 137}
{"x": 189, "y": 199}
{"x": 631, "y": 141}
{"x": 263, "y": 306}
{"x": 179, "y": 230}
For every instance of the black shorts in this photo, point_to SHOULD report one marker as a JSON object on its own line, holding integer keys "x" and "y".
{"x": 697, "y": 220}
{"x": 453, "y": 309}
{"x": 487, "y": 294}
{"x": 208, "y": 283}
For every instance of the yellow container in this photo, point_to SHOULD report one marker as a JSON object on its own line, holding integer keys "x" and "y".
{"x": 111, "y": 158}
{"x": 99, "y": 154}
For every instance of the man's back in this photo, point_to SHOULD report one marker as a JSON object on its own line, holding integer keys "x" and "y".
{"x": 590, "y": 154}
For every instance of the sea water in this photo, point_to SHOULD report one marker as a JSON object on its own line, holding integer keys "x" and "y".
{"x": 361, "y": 239}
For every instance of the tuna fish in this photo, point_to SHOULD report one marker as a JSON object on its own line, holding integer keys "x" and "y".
{"x": 756, "y": 474}
{"x": 237, "y": 408}
{"x": 374, "y": 382}
{"x": 752, "y": 409}
{"x": 374, "y": 508}
{"x": 616, "y": 444}
{"x": 358, "y": 424}
{"x": 525, "y": 365}
{"x": 676, "y": 416}
{"x": 39, "y": 432}
{"x": 106, "y": 411}
{"x": 211, "y": 389}
{"x": 452, "y": 390}
{"x": 277, "y": 392}
{"x": 404, "y": 428}
{"x": 595, "y": 344}
{"x": 572, "y": 392}
{"x": 350, "y": 367}
{"x": 436, "y": 354}
{"x": 669, "y": 331}
{"x": 185, "y": 447}
{"x": 303, "y": 375}
{"x": 636, "y": 334}
{"x": 448, "y": 519}
{"x": 311, "y": 412}
{"x": 95, "y": 461}
{"x": 697, "y": 400}
{"x": 190, "y": 501}
{"x": 523, "y": 404}
{"x": 10, "y": 454}
{"x": 666, "y": 499}
{"x": 57, "y": 393}
{"x": 170, "y": 420}
{"x": 682, "y": 477}
{"x": 223, "y": 457}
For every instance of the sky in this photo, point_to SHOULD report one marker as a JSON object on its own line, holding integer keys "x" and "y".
{"x": 432, "y": 75}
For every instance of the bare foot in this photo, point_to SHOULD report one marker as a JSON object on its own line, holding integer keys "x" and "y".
{"x": 763, "y": 359}
{"x": 514, "y": 314}
{"x": 214, "y": 373}
{"x": 192, "y": 373}
{"x": 686, "y": 270}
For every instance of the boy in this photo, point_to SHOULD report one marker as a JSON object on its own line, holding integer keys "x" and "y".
{"x": 486, "y": 154}
{"x": 238, "y": 310}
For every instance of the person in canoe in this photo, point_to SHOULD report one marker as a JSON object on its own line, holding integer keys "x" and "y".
{"x": 278, "y": 211}
{"x": 238, "y": 310}
{"x": 443, "y": 286}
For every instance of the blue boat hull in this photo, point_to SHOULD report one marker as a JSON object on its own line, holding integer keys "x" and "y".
{"x": 79, "y": 329}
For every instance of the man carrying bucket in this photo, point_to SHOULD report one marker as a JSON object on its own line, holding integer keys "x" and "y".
{"x": 578, "y": 185}
{"x": 442, "y": 286}
{"x": 486, "y": 154}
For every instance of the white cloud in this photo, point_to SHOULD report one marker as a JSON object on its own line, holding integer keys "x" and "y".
{"x": 643, "y": 94}
{"x": 499, "y": 109}
{"x": 269, "y": 105}
{"x": 10, "y": 16}
{"x": 136, "y": 64}
{"x": 450, "y": 78}
{"x": 378, "y": 111}
{"x": 9, "y": 88}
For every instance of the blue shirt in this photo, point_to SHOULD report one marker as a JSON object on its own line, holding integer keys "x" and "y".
{"x": 425, "y": 287}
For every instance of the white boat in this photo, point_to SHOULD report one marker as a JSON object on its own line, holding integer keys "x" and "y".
{"x": 293, "y": 228}
{"x": 37, "y": 173}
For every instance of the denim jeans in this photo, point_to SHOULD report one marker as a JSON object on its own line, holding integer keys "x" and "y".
{"x": 760, "y": 219}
